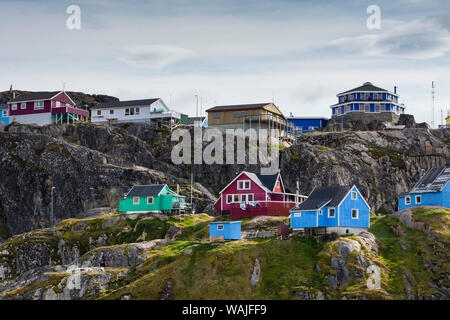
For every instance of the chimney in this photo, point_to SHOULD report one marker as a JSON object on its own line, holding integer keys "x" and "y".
{"x": 14, "y": 94}
{"x": 395, "y": 89}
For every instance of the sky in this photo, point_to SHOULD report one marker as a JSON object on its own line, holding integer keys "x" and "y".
{"x": 297, "y": 53}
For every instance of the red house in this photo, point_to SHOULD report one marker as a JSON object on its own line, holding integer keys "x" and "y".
{"x": 251, "y": 194}
{"x": 44, "y": 108}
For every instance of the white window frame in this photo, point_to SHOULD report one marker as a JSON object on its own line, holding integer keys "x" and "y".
{"x": 407, "y": 200}
{"x": 357, "y": 213}
{"x": 243, "y": 198}
{"x": 38, "y": 105}
{"x": 14, "y": 106}
{"x": 297, "y": 214}
{"x": 137, "y": 111}
{"x": 244, "y": 182}
{"x": 320, "y": 212}
{"x": 329, "y": 211}
{"x": 23, "y": 106}
{"x": 127, "y": 111}
{"x": 354, "y": 195}
{"x": 220, "y": 227}
{"x": 235, "y": 198}
{"x": 418, "y": 197}
{"x": 99, "y": 112}
{"x": 4, "y": 113}
{"x": 134, "y": 200}
{"x": 111, "y": 111}
{"x": 250, "y": 195}
{"x": 150, "y": 198}
{"x": 228, "y": 200}
{"x": 58, "y": 104}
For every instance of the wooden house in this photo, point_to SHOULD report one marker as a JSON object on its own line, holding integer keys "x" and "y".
{"x": 152, "y": 198}
{"x": 250, "y": 194}
{"x": 433, "y": 189}
{"x": 4, "y": 115}
{"x": 340, "y": 209}
{"x": 228, "y": 230}
{"x": 249, "y": 116}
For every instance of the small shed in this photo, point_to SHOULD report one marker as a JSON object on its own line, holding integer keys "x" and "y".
{"x": 229, "y": 230}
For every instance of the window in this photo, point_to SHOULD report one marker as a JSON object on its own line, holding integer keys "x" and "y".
{"x": 331, "y": 212}
{"x": 131, "y": 111}
{"x": 243, "y": 198}
{"x": 354, "y": 195}
{"x": 38, "y": 105}
{"x": 216, "y": 115}
{"x": 99, "y": 112}
{"x": 135, "y": 200}
{"x": 149, "y": 200}
{"x": 235, "y": 198}
{"x": 320, "y": 212}
{"x": 14, "y": 106}
{"x": 58, "y": 104}
{"x": 418, "y": 199}
{"x": 127, "y": 111}
{"x": 5, "y": 113}
{"x": 111, "y": 111}
{"x": 237, "y": 114}
{"x": 355, "y": 213}
{"x": 408, "y": 200}
{"x": 138, "y": 110}
{"x": 220, "y": 227}
{"x": 23, "y": 105}
{"x": 297, "y": 214}
{"x": 244, "y": 185}
{"x": 229, "y": 198}
{"x": 250, "y": 197}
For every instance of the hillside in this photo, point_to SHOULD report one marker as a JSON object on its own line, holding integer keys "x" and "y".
{"x": 157, "y": 257}
{"x": 92, "y": 166}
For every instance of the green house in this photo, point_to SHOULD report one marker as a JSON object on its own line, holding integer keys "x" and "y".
{"x": 151, "y": 198}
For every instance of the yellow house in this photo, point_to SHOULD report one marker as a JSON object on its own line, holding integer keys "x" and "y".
{"x": 447, "y": 121}
{"x": 246, "y": 116}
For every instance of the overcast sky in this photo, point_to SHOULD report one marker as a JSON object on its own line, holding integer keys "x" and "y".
{"x": 299, "y": 53}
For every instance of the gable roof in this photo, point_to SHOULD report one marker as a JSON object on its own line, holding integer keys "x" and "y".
{"x": 329, "y": 196}
{"x": 239, "y": 107}
{"x": 367, "y": 86}
{"x": 128, "y": 103}
{"x": 35, "y": 96}
{"x": 4, "y": 106}
{"x": 145, "y": 190}
{"x": 266, "y": 182}
{"x": 433, "y": 181}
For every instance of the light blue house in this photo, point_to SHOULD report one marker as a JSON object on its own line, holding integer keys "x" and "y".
{"x": 340, "y": 209}
{"x": 4, "y": 114}
{"x": 230, "y": 230}
{"x": 433, "y": 189}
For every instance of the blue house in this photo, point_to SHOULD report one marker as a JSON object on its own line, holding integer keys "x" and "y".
{"x": 4, "y": 115}
{"x": 306, "y": 124}
{"x": 433, "y": 189}
{"x": 230, "y": 230}
{"x": 340, "y": 209}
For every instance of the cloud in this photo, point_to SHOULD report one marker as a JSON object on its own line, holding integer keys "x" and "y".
{"x": 154, "y": 56}
{"x": 420, "y": 39}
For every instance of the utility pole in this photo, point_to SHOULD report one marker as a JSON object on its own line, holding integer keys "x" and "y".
{"x": 196, "y": 105}
{"x": 51, "y": 209}
{"x": 433, "y": 86}
{"x": 296, "y": 193}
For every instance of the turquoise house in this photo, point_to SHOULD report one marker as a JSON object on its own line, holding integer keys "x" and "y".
{"x": 4, "y": 114}
{"x": 230, "y": 230}
{"x": 152, "y": 198}
{"x": 339, "y": 209}
{"x": 433, "y": 189}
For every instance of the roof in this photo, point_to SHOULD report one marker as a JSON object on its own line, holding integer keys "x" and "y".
{"x": 307, "y": 118}
{"x": 224, "y": 222}
{"x": 329, "y": 196}
{"x": 367, "y": 86}
{"x": 145, "y": 190}
{"x": 4, "y": 106}
{"x": 35, "y": 96}
{"x": 265, "y": 181}
{"x": 192, "y": 120}
{"x": 239, "y": 107}
{"x": 433, "y": 181}
{"x": 128, "y": 103}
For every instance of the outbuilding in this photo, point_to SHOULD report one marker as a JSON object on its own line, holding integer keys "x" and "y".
{"x": 228, "y": 230}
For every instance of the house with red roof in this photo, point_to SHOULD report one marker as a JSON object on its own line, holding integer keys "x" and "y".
{"x": 250, "y": 194}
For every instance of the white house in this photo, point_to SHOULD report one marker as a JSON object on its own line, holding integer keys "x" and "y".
{"x": 146, "y": 110}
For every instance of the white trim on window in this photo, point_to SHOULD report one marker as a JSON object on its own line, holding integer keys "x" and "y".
{"x": 220, "y": 227}
{"x": 14, "y": 106}
{"x": 135, "y": 200}
{"x": 354, "y": 195}
{"x": 357, "y": 214}
{"x": 408, "y": 200}
{"x": 297, "y": 214}
{"x": 58, "y": 104}
{"x": 243, "y": 185}
{"x": 229, "y": 198}
{"x": 149, "y": 200}
{"x": 23, "y": 106}
{"x": 419, "y": 199}
{"x": 99, "y": 112}
{"x": 235, "y": 198}
{"x": 38, "y": 105}
{"x": 320, "y": 212}
{"x": 329, "y": 212}
{"x": 4, "y": 113}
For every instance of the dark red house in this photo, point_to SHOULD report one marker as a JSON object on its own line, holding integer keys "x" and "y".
{"x": 44, "y": 108}
{"x": 251, "y": 194}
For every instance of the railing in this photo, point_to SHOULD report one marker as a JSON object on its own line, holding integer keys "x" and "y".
{"x": 265, "y": 208}
{"x": 73, "y": 110}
